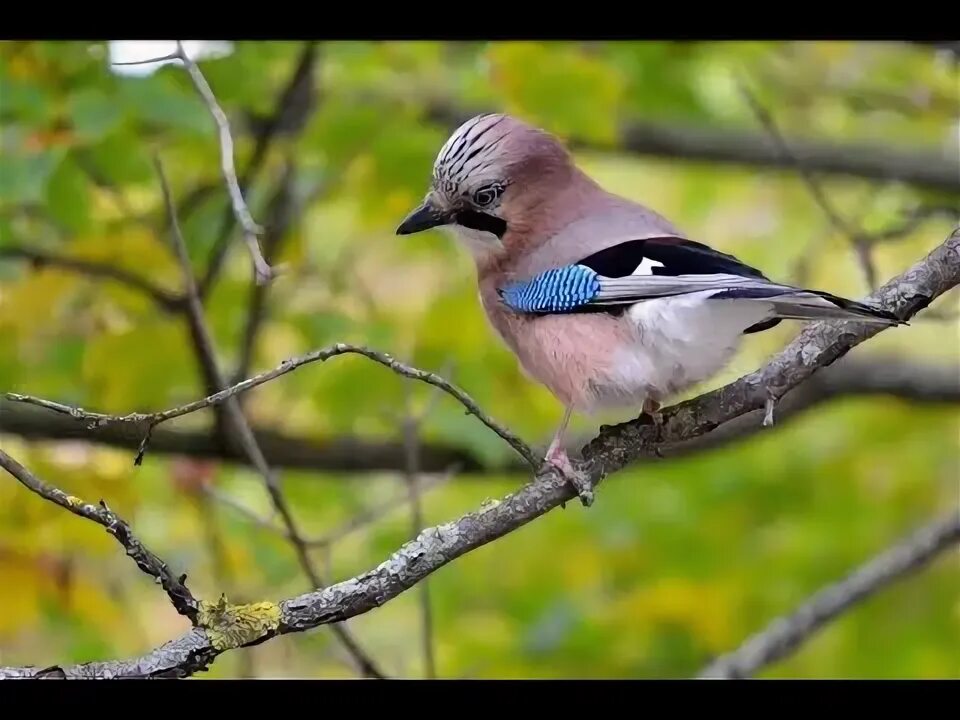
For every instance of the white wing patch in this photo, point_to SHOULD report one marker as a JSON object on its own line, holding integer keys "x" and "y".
{"x": 646, "y": 267}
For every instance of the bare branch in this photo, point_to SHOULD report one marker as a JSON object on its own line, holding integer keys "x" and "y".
{"x": 180, "y": 596}
{"x": 857, "y": 238}
{"x": 189, "y": 654}
{"x": 150, "y": 420}
{"x": 251, "y": 230}
{"x": 411, "y": 434}
{"x": 785, "y": 635}
{"x": 172, "y": 56}
{"x": 282, "y": 211}
{"x": 262, "y": 270}
{"x": 165, "y": 299}
{"x": 358, "y": 521}
{"x": 910, "y": 381}
{"x": 921, "y": 167}
{"x": 247, "y": 439}
{"x": 294, "y": 105}
{"x": 913, "y": 220}
{"x": 347, "y": 454}
{"x": 819, "y": 345}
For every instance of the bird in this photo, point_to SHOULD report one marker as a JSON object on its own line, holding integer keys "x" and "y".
{"x": 602, "y": 300}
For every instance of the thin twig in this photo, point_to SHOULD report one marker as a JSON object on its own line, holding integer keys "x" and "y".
{"x": 358, "y": 521}
{"x": 245, "y": 434}
{"x": 251, "y": 230}
{"x": 181, "y": 597}
{"x": 411, "y": 436}
{"x": 785, "y": 635}
{"x": 151, "y": 420}
{"x": 858, "y": 239}
{"x": 912, "y": 221}
{"x": 282, "y": 211}
{"x": 294, "y": 106}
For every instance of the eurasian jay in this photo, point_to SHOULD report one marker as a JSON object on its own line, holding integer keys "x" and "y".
{"x": 601, "y": 299}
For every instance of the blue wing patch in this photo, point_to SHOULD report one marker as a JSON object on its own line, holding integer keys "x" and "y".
{"x": 557, "y": 290}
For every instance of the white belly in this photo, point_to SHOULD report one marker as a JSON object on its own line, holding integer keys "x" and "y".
{"x": 679, "y": 342}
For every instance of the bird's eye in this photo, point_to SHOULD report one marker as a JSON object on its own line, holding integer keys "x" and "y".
{"x": 486, "y": 195}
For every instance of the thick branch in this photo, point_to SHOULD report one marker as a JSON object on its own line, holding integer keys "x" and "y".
{"x": 180, "y": 658}
{"x": 165, "y": 299}
{"x": 340, "y": 455}
{"x": 817, "y": 346}
{"x": 784, "y": 635}
{"x": 920, "y": 167}
{"x": 850, "y": 377}
{"x": 175, "y": 588}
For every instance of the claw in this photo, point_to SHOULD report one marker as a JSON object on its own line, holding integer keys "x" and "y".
{"x": 557, "y": 457}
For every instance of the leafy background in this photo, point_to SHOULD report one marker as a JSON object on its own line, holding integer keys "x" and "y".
{"x": 676, "y": 561}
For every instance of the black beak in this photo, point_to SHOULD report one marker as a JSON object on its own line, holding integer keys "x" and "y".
{"x": 423, "y": 218}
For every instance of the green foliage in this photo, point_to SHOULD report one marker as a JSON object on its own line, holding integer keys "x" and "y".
{"x": 676, "y": 561}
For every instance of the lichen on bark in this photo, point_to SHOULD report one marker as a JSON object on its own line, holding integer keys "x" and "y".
{"x": 231, "y": 626}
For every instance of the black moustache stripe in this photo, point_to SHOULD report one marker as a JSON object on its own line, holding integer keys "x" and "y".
{"x": 481, "y": 221}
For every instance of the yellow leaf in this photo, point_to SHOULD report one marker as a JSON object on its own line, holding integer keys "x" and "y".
{"x": 560, "y": 87}
{"x": 19, "y": 594}
{"x": 91, "y": 603}
{"x": 706, "y": 609}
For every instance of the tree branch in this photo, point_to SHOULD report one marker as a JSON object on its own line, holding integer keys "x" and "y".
{"x": 147, "y": 421}
{"x": 340, "y": 455}
{"x": 248, "y": 441}
{"x": 294, "y": 106}
{"x": 180, "y": 596}
{"x": 858, "y": 240}
{"x": 819, "y": 345}
{"x": 282, "y": 212}
{"x": 165, "y": 299}
{"x": 358, "y": 521}
{"x": 251, "y": 230}
{"x": 910, "y": 381}
{"x": 919, "y": 167}
{"x": 411, "y": 435}
{"x": 785, "y": 635}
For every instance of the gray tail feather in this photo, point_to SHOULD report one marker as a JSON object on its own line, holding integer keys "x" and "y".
{"x": 798, "y": 304}
{"x": 788, "y": 302}
{"x": 814, "y": 305}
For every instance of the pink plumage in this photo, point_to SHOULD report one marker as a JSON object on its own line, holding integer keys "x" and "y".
{"x": 665, "y": 312}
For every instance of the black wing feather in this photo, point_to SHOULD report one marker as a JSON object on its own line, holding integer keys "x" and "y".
{"x": 678, "y": 257}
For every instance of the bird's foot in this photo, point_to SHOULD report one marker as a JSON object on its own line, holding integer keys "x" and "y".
{"x": 557, "y": 457}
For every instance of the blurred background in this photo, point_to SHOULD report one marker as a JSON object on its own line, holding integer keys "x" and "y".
{"x": 678, "y": 560}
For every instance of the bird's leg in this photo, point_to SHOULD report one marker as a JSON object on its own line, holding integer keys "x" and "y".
{"x": 557, "y": 457}
{"x": 652, "y": 408}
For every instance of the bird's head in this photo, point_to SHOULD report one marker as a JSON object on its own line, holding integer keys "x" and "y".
{"x": 488, "y": 181}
